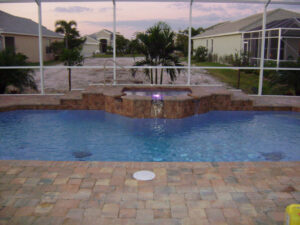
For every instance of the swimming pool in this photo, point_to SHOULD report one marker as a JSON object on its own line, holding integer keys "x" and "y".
{"x": 101, "y": 136}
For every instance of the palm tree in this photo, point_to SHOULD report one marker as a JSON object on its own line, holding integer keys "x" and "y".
{"x": 157, "y": 45}
{"x": 69, "y": 30}
{"x": 73, "y": 44}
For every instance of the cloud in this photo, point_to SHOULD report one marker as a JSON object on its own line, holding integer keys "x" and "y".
{"x": 72, "y": 9}
{"x": 204, "y": 15}
{"x": 105, "y": 9}
{"x": 176, "y": 24}
{"x": 179, "y": 5}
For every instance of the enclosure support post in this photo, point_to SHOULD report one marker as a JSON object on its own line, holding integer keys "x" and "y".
{"x": 114, "y": 45}
{"x": 39, "y": 4}
{"x": 190, "y": 44}
{"x": 242, "y": 43}
{"x": 269, "y": 45}
{"x": 262, "y": 50}
{"x": 279, "y": 47}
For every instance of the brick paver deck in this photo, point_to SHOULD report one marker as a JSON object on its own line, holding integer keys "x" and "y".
{"x": 44, "y": 192}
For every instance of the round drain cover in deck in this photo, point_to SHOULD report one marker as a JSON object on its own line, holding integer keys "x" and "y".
{"x": 144, "y": 175}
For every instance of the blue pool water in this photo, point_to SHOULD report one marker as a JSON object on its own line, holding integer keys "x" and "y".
{"x": 101, "y": 136}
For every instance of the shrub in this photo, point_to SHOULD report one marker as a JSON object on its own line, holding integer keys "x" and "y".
{"x": 200, "y": 54}
{"x": 269, "y": 73}
{"x": 19, "y": 78}
{"x": 288, "y": 78}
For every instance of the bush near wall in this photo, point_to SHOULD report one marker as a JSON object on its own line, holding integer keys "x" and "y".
{"x": 200, "y": 54}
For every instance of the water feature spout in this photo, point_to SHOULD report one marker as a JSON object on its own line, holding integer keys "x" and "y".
{"x": 157, "y": 97}
{"x": 157, "y": 104}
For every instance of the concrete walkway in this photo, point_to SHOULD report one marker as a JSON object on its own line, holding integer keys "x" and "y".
{"x": 56, "y": 80}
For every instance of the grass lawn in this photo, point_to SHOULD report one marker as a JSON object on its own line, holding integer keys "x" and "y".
{"x": 110, "y": 55}
{"x": 46, "y": 63}
{"x": 248, "y": 82}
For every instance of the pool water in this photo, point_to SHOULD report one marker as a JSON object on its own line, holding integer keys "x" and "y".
{"x": 101, "y": 136}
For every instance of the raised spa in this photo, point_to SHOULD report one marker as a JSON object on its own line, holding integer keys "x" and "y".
{"x": 159, "y": 93}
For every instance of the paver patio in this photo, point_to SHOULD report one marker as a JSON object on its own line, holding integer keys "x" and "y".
{"x": 45, "y": 192}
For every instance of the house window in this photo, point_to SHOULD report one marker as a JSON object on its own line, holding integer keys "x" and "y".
{"x": 245, "y": 47}
{"x": 212, "y": 46}
{"x": 10, "y": 43}
{"x": 1, "y": 44}
{"x": 48, "y": 48}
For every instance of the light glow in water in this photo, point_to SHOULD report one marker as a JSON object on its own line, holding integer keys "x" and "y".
{"x": 157, "y": 97}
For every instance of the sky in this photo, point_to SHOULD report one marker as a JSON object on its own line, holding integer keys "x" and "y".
{"x": 133, "y": 16}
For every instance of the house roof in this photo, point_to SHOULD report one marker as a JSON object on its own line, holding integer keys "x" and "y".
{"x": 19, "y": 25}
{"x": 94, "y": 35}
{"x": 90, "y": 40}
{"x": 285, "y": 23}
{"x": 247, "y": 23}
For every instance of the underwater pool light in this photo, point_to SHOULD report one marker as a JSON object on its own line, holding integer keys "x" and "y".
{"x": 157, "y": 97}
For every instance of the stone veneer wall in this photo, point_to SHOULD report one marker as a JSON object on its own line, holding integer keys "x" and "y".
{"x": 142, "y": 107}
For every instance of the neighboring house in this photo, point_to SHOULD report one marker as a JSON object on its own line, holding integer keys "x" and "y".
{"x": 104, "y": 38}
{"x": 234, "y": 37}
{"x": 90, "y": 46}
{"x": 21, "y": 34}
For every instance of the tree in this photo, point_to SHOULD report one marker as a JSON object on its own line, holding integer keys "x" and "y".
{"x": 240, "y": 60}
{"x": 71, "y": 34}
{"x": 19, "y": 78}
{"x": 194, "y": 31}
{"x": 182, "y": 39}
{"x": 289, "y": 78}
{"x": 69, "y": 51}
{"x": 71, "y": 57}
{"x": 157, "y": 45}
{"x": 133, "y": 47}
{"x": 122, "y": 44}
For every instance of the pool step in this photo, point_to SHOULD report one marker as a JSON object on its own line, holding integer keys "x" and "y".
{"x": 81, "y": 100}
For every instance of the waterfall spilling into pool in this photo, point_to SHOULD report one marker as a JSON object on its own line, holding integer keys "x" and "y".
{"x": 157, "y": 104}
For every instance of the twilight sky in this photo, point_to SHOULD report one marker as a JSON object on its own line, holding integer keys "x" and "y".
{"x": 132, "y": 16}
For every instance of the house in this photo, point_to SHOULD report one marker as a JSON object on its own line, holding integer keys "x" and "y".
{"x": 244, "y": 35}
{"x": 98, "y": 42}
{"x": 104, "y": 38}
{"x": 90, "y": 46}
{"x": 21, "y": 34}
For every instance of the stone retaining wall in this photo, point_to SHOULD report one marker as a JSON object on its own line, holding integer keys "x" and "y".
{"x": 113, "y": 100}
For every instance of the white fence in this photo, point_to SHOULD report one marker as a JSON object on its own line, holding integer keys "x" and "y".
{"x": 261, "y": 68}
